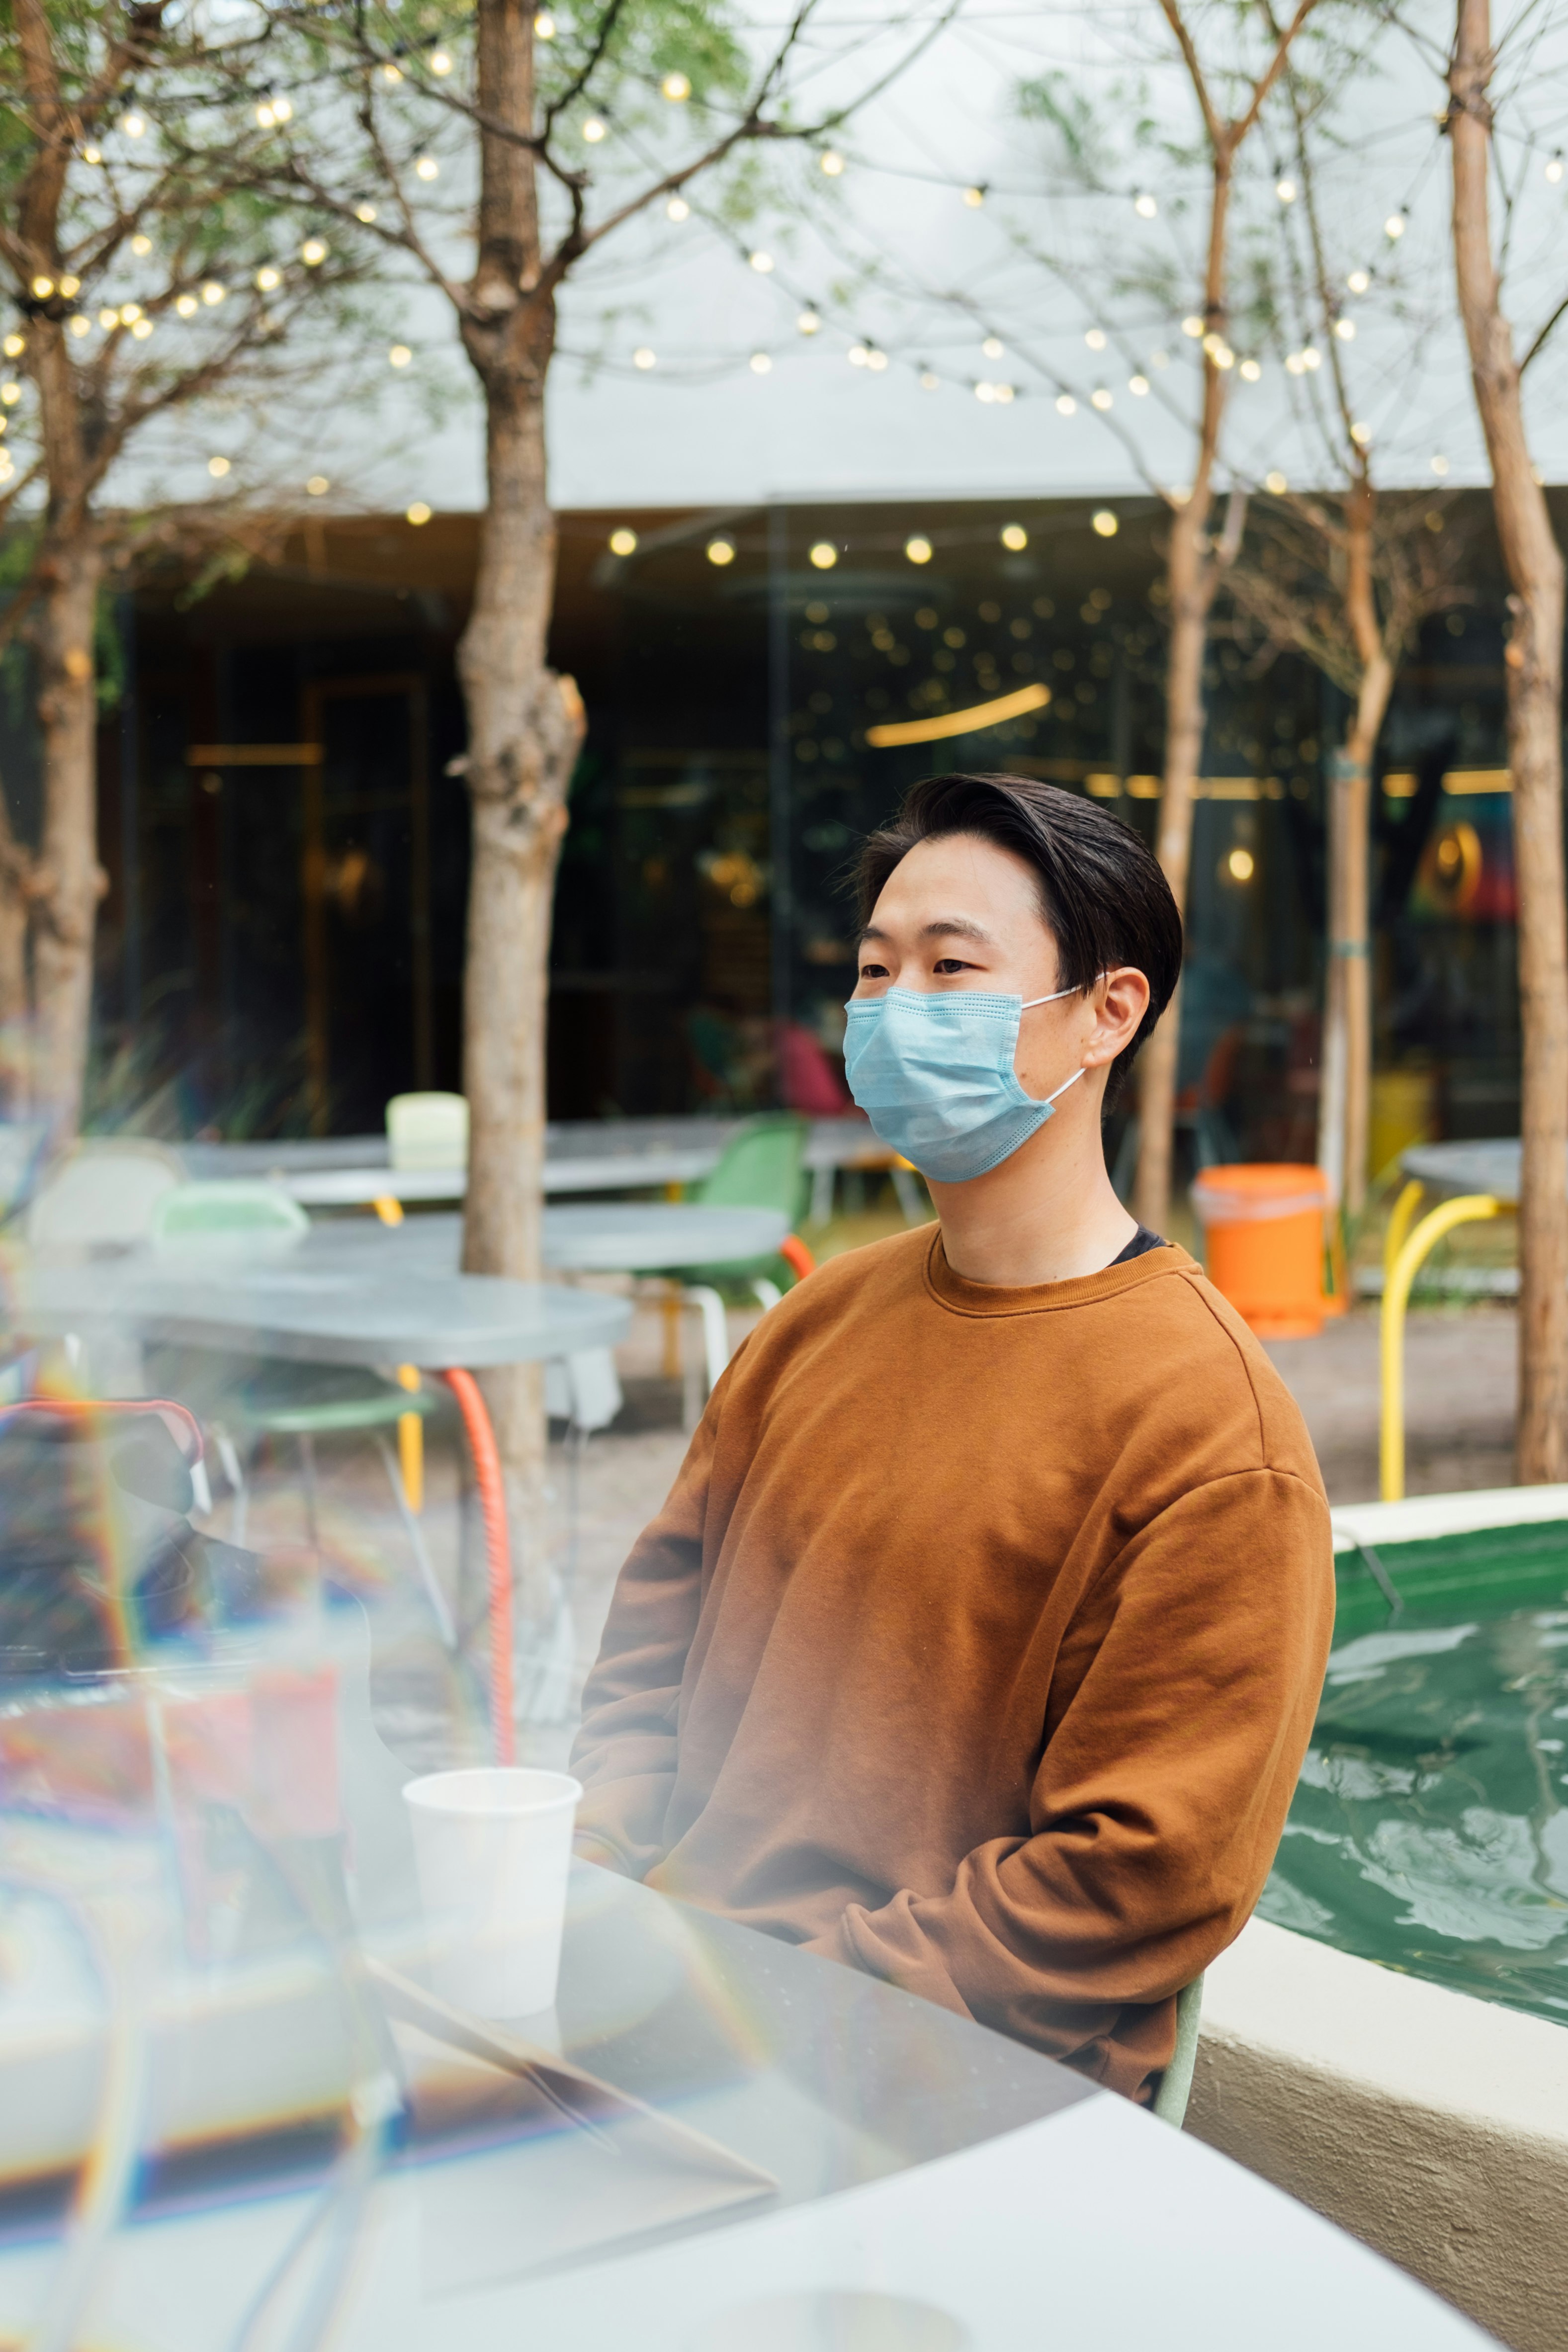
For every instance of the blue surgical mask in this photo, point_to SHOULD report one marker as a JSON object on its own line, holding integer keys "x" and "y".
{"x": 934, "y": 1075}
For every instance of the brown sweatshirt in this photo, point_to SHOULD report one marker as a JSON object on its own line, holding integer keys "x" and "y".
{"x": 978, "y": 1644}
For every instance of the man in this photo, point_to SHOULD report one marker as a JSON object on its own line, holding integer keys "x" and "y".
{"x": 979, "y": 1642}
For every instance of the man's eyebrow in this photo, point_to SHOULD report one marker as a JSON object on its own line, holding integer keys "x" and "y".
{"x": 943, "y": 927}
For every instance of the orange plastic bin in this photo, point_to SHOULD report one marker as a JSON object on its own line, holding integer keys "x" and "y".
{"x": 1263, "y": 1235}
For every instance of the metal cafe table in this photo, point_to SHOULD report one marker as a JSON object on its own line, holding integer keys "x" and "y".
{"x": 325, "y": 1304}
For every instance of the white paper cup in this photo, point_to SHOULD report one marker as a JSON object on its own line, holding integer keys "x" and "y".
{"x": 492, "y": 1847}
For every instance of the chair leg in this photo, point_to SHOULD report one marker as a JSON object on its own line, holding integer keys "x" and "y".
{"x": 768, "y": 1292}
{"x": 715, "y": 1330}
{"x": 412, "y": 1528}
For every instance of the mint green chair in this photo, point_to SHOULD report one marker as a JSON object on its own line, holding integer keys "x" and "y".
{"x": 1176, "y": 2082}
{"x": 762, "y": 1167}
{"x": 237, "y": 1221}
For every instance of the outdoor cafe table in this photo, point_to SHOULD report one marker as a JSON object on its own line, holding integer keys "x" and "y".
{"x": 939, "y": 2189}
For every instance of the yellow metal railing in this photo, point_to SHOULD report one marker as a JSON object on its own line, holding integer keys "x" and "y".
{"x": 410, "y": 1428}
{"x": 1404, "y": 1252}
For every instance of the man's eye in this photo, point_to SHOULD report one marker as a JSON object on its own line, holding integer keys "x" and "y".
{"x": 873, "y": 971}
{"x": 946, "y": 964}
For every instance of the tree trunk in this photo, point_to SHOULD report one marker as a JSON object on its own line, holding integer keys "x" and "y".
{"x": 1534, "y": 667}
{"x": 68, "y": 881}
{"x": 16, "y": 1067}
{"x": 1344, "y": 1119}
{"x": 525, "y": 726}
{"x": 1192, "y": 575}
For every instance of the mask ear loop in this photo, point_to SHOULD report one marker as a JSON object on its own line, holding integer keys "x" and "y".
{"x": 1051, "y": 1000}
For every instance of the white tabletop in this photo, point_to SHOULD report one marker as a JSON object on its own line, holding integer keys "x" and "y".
{"x": 1491, "y": 1167}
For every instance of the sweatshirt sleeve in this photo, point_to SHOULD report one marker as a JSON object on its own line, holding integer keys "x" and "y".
{"x": 625, "y": 1754}
{"x": 1176, "y": 1724}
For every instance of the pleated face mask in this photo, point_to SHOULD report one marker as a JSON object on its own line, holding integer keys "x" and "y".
{"x": 934, "y": 1075}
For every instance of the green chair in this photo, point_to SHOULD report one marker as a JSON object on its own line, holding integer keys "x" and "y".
{"x": 762, "y": 1167}
{"x": 239, "y": 1221}
{"x": 1176, "y": 2082}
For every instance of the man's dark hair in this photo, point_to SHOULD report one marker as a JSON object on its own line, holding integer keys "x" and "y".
{"x": 1103, "y": 898}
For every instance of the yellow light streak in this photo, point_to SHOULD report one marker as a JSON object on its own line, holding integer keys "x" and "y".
{"x": 960, "y": 722}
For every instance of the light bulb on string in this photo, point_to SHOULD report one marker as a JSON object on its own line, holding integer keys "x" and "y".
{"x": 1361, "y": 434}
{"x": 594, "y": 130}
{"x": 645, "y": 359}
{"x": 721, "y": 551}
{"x": 929, "y": 380}
{"x": 1138, "y": 386}
{"x": 823, "y": 555}
{"x": 142, "y": 243}
{"x": 134, "y": 125}
{"x": 1065, "y": 405}
{"x": 1193, "y": 327}
{"x": 1554, "y": 170}
{"x": 80, "y": 325}
{"x": 808, "y": 322}
{"x": 1311, "y": 358}
{"x": 10, "y": 394}
{"x": 623, "y": 542}
{"x": 545, "y": 26}
{"x": 427, "y": 168}
{"x": 1106, "y": 523}
{"x": 365, "y": 213}
{"x": 92, "y": 154}
{"x": 677, "y": 209}
{"x": 1100, "y": 398}
{"x": 1345, "y": 329}
{"x": 417, "y": 514}
{"x": 281, "y": 110}
{"x": 985, "y": 392}
{"x": 14, "y": 345}
{"x": 1393, "y": 228}
{"x": 318, "y": 485}
{"x": 1145, "y": 205}
{"x": 106, "y": 320}
{"x": 1095, "y": 338}
{"x": 313, "y": 252}
{"x": 831, "y": 163}
{"x": 1358, "y": 281}
{"x": 399, "y": 355}
{"x": 676, "y": 88}
{"x": 992, "y": 347}
{"x": 264, "y": 117}
{"x": 213, "y": 293}
{"x": 875, "y": 359}
{"x": 1014, "y": 538}
{"x": 268, "y": 279}
{"x": 440, "y": 63}
{"x": 975, "y": 198}
{"x": 141, "y": 328}
{"x": 69, "y": 286}
{"x": 760, "y": 365}
{"x": 917, "y": 548}
{"x": 217, "y": 467}
{"x": 1286, "y": 191}
{"x": 1439, "y": 466}
{"x": 1249, "y": 372}
{"x": 42, "y": 288}
{"x": 1275, "y": 485}
{"x": 186, "y": 305}
{"x": 390, "y": 72}
{"x": 129, "y": 313}
{"x": 761, "y": 262}
{"x": 858, "y": 355}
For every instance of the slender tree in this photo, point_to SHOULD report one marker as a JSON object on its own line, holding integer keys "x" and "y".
{"x": 129, "y": 201}
{"x": 1533, "y": 660}
{"x": 520, "y": 107}
{"x": 1198, "y": 558}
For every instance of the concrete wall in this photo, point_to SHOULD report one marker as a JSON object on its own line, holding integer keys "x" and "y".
{"x": 1432, "y": 2126}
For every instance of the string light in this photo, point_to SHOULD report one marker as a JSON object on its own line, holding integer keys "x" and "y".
{"x": 69, "y": 286}
{"x": 106, "y": 320}
{"x": 1275, "y": 485}
{"x": 975, "y": 198}
{"x": 1249, "y": 372}
{"x": 1439, "y": 466}
{"x": 427, "y": 168}
{"x": 1100, "y": 398}
{"x": 1311, "y": 358}
{"x": 917, "y": 550}
{"x": 1144, "y": 206}
{"x": 213, "y": 293}
{"x": 545, "y": 26}
{"x": 1294, "y": 364}
{"x": 399, "y": 355}
{"x": 823, "y": 555}
{"x": 875, "y": 361}
{"x": 389, "y": 72}
{"x": 1065, "y": 405}
{"x": 992, "y": 347}
{"x": 365, "y": 213}
{"x": 1358, "y": 281}
{"x": 281, "y": 110}
{"x": 10, "y": 392}
{"x": 217, "y": 467}
{"x": 831, "y": 162}
{"x": 1014, "y": 537}
{"x": 1004, "y": 393}
{"x": 1361, "y": 432}
{"x": 1095, "y": 338}
{"x": 268, "y": 279}
{"x": 1160, "y": 359}
{"x": 1106, "y": 524}
{"x": 677, "y": 209}
{"x": 808, "y": 324}
{"x": 43, "y": 288}
{"x": 313, "y": 252}
{"x": 1137, "y": 385}
{"x": 14, "y": 346}
{"x": 265, "y": 116}
{"x": 129, "y": 313}
{"x": 928, "y": 381}
{"x": 92, "y": 154}
{"x": 1345, "y": 329}
{"x": 1393, "y": 228}
{"x": 721, "y": 551}
{"x": 79, "y": 326}
{"x": 986, "y": 392}
{"x": 676, "y": 88}
{"x": 623, "y": 542}
{"x": 645, "y": 359}
{"x": 141, "y": 328}
{"x": 762, "y": 262}
{"x": 186, "y": 305}
{"x": 318, "y": 485}
{"x": 141, "y": 244}
{"x": 1286, "y": 191}
{"x": 1193, "y": 326}
{"x": 440, "y": 63}
{"x": 761, "y": 364}
{"x": 858, "y": 355}
{"x": 1240, "y": 865}
{"x": 417, "y": 513}
{"x": 594, "y": 129}
{"x": 134, "y": 125}
{"x": 1554, "y": 170}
